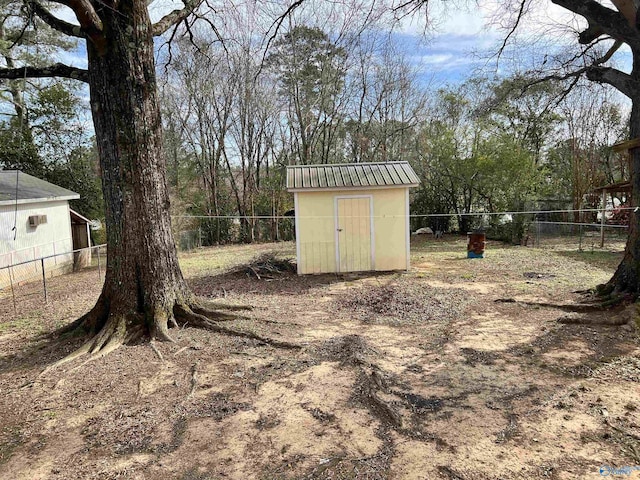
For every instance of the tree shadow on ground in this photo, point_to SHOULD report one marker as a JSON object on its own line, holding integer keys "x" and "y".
{"x": 604, "y": 342}
{"x": 39, "y": 352}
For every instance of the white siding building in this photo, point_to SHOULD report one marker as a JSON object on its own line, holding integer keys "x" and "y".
{"x": 34, "y": 222}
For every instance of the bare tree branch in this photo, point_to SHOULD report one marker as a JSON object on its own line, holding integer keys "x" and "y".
{"x": 523, "y": 3}
{"x": 607, "y": 56}
{"x": 54, "y": 22}
{"x": 596, "y": 72}
{"x": 175, "y": 17}
{"x": 88, "y": 18}
{"x": 55, "y": 70}
{"x": 410, "y": 7}
{"x": 623, "y": 82}
{"x": 277, "y": 24}
{"x": 611, "y": 22}
{"x": 592, "y": 33}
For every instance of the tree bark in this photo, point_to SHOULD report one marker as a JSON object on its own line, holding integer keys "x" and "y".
{"x": 144, "y": 292}
{"x": 626, "y": 279}
{"x": 143, "y": 280}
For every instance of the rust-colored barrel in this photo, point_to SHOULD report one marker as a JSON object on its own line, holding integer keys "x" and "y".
{"x": 475, "y": 244}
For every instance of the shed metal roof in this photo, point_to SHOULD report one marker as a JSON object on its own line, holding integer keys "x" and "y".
{"x": 351, "y": 175}
{"x": 19, "y": 187}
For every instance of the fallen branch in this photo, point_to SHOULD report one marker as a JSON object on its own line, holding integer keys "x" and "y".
{"x": 266, "y": 266}
{"x": 180, "y": 350}
{"x": 194, "y": 379}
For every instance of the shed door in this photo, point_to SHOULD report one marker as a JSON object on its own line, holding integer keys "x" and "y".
{"x": 354, "y": 234}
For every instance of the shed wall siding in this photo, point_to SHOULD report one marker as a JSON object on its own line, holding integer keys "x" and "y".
{"x": 316, "y": 226}
{"x": 315, "y": 216}
{"x": 390, "y": 229}
{"x": 30, "y": 243}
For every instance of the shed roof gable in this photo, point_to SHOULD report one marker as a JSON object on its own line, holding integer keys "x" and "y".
{"x": 351, "y": 175}
{"x": 19, "y": 187}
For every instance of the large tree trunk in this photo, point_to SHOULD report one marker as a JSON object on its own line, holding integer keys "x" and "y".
{"x": 627, "y": 277}
{"x": 143, "y": 280}
{"x": 144, "y": 291}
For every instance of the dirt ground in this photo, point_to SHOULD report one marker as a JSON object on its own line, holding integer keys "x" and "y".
{"x": 454, "y": 370}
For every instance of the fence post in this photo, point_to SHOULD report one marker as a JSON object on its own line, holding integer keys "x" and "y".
{"x": 580, "y": 240}
{"x": 44, "y": 280}
{"x": 13, "y": 293}
{"x": 602, "y": 218}
{"x": 99, "y": 266}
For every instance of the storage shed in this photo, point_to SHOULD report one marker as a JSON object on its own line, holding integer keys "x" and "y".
{"x": 81, "y": 240}
{"x": 352, "y": 217}
{"x": 35, "y": 222}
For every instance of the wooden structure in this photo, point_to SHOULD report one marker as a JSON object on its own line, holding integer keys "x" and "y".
{"x": 618, "y": 187}
{"x": 352, "y": 217}
{"x": 81, "y": 237}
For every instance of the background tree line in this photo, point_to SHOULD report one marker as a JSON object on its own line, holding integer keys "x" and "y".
{"x": 238, "y": 111}
{"x": 44, "y": 124}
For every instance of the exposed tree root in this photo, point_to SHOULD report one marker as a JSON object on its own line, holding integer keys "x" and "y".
{"x": 613, "y": 317}
{"x": 185, "y": 314}
{"x": 379, "y": 407}
{"x": 216, "y": 315}
{"x": 156, "y": 351}
{"x": 612, "y": 321}
{"x": 111, "y": 330}
{"x": 110, "y": 337}
{"x": 613, "y": 310}
{"x": 371, "y": 382}
{"x": 624, "y": 432}
{"x": 180, "y": 350}
{"x": 588, "y": 291}
{"x": 599, "y": 306}
{"x": 605, "y": 289}
{"x": 217, "y": 305}
{"x": 450, "y": 473}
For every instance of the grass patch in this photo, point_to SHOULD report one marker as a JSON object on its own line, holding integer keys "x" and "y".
{"x": 214, "y": 260}
{"x": 602, "y": 259}
{"x": 12, "y": 438}
{"x": 23, "y": 324}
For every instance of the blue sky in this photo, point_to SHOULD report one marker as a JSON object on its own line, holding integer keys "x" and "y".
{"x": 447, "y": 55}
{"x": 459, "y": 43}
{"x": 463, "y": 42}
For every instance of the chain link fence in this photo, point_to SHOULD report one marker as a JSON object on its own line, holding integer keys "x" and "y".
{"x": 567, "y": 229}
{"x": 24, "y": 274}
{"x": 20, "y": 280}
{"x": 193, "y": 232}
{"x": 579, "y": 229}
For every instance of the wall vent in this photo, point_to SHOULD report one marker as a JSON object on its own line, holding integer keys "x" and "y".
{"x": 35, "y": 220}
